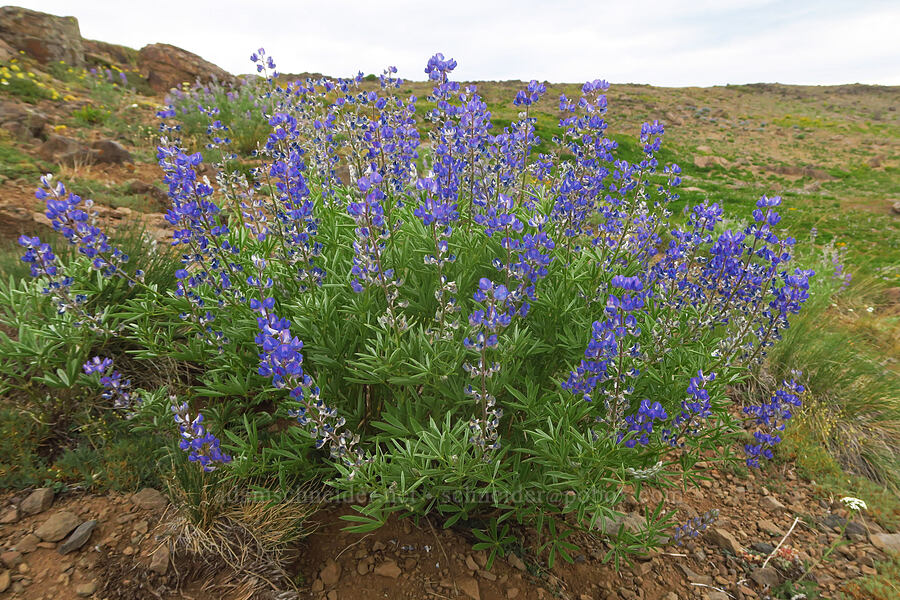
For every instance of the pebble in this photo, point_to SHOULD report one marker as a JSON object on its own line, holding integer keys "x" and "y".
{"x": 12, "y": 515}
{"x": 29, "y": 543}
{"x": 11, "y": 558}
{"x": 771, "y": 503}
{"x": 78, "y": 538}
{"x": 469, "y": 587}
{"x": 388, "y": 568}
{"x": 37, "y": 501}
{"x": 149, "y": 499}
{"x": 86, "y": 589}
{"x": 330, "y": 573}
{"x": 159, "y": 560}
{"x": 58, "y": 526}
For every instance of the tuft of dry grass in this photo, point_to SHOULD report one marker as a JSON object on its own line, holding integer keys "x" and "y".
{"x": 216, "y": 527}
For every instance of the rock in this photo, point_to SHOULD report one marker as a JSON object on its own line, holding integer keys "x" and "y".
{"x": 317, "y": 586}
{"x": 896, "y": 207}
{"x": 86, "y": 589}
{"x": 763, "y": 548}
{"x": 470, "y": 563}
{"x": 66, "y": 151}
{"x": 165, "y": 66}
{"x": 515, "y": 561}
{"x": 856, "y": 531}
{"x": 46, "y": 38}
{"x": 6, "y": 51}
{"x": 149, "y": 499}
{"x": 388, "y": 568}
{"x": 771, "y": 503}
{"x": 512, "y": 592}
{"x": 12, "y": 515}
{"x": 11, "y": 558}
{"x": 705, "y": 162}
{"x": 767, "y": 577}
{"x": 330, "y": 573}
{"x": 141, "y": 188}
{"x": 111, "y": 152}
{"x": 23, "y": 122}
{"x": 27, "y": 544}
{"x": 57, "y": 526}
{"x": 362, "y": 567}
{"x": 674, "y": 119}
{"x": 469, "y": 587}
{"x": 767, "y": 526}
{"x": 695, "y": 577}
{"x": 4, "y": 581}
{"x": 886, "y": 542}
{"x": 833, "y": 522}
{"x": 141, "y": 527}
{"x": 78, "y": 538}
{"x": 723, "y": 539}
{"x": 159, "y": 560}
{"x": 105, "y": 53}
{"x": 37, "y": 501}
{"x": 797, "y": 171}
{"x": 716, "y": 595}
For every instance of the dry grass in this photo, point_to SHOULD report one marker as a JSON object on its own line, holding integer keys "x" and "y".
{"x": 213, "y": 530}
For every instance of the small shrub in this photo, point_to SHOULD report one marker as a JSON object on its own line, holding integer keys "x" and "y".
{"x": 501, "y": 337}
{"x": 89, "y": 115}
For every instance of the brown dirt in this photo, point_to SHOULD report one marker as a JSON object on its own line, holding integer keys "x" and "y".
{"x": 408, "y": 560}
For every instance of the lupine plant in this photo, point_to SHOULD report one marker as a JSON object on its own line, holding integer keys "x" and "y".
{"x": 460, "y": 325}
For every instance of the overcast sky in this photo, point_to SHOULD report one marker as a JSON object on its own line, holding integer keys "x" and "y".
{"x": 670, "y": 43}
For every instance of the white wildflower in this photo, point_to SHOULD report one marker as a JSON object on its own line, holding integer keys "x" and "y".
{"x": 854, "y": 503}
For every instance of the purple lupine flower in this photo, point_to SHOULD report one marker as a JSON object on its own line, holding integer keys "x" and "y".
{"x": 281, "y": 359}
{"x": 72, "y": 217}
{"x": 695, "y": 527}
{"x": 200, "y": 444}
{"x": 640, "y": 424}
{"x": 115, "y": 388}
{"x": 769, "y": 420}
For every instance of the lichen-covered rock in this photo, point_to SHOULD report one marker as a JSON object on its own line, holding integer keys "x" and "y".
{"x": 22, "y": 121}
{"x": 64, "y": 150}
{"x": 103, "y": 53}
{"x": 165, "y": 66}
{"x": 46, "y": 38}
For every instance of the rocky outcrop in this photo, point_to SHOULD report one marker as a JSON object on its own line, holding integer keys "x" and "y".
{"x": 165, "y": 66}
{"x": 46, "y": 38}
{"x": 6, "y": 51}
{"x": 103, "y": 53}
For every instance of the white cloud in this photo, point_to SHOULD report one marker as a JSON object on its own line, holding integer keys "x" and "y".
{"x": 704, "y": 42}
